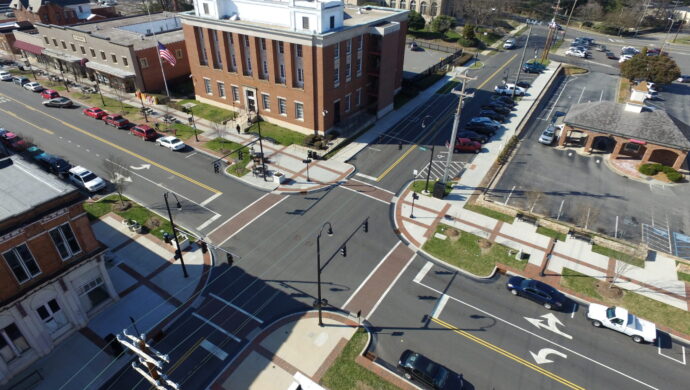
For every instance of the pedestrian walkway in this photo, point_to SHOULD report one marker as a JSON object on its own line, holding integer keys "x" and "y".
{"x": 151, "y": 289}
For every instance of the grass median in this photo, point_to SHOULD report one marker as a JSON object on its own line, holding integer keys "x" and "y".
{"x": 602, "y": 250}
{"x": 470, "y": 252}
{"x": 556, "y": 235}
{"x": 347, "y": 374}
{"x": 239, "y": 166}
{"x": 154, "y": 223}
{"x": 282, "y": 135}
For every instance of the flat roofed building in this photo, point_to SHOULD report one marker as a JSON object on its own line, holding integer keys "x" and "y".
{"x": 305, "y": 65}
{"x": 52, "y": 272}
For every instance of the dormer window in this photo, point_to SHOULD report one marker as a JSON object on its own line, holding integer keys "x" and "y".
{"x": 305, "y": 23}
{"x": 206, "y": 11}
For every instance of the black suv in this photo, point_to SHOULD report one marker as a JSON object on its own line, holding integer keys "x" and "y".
{"x": 418, "y": 367}
{"x": 493, "y": 115}
{"x": 481, "y": 128}
{"x": 537, "y": 291}
{"x": 53, "y": 164}
{"x": 498, "y": 107}
{"x": 505, "y": 100}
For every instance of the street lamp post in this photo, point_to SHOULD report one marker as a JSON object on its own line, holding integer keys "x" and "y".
{"x": 414, "y": 197}
{"x": 177, "y": 242}
{"x": 192, "y": 122}
{"x": 320, "y": 302}
{"x": 431, "y": 157}
{"x": 307, "y": 161}
{"x": 261, "y": 145}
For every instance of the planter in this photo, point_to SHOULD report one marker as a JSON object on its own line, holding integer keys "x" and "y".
{"x": 279, "y": 177}
{"x": 184, "y": 241}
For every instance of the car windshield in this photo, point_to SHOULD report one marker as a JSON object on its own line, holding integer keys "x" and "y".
{"x": 174, "y": 141}
{"x": 88, "y": 177}
{"x": 548, "y": 132}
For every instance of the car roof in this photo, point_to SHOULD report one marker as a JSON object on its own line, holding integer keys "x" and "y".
{"x": 144, "y": 127}
{"x": 79, "y": 170}
{"x": 169, "y": 138}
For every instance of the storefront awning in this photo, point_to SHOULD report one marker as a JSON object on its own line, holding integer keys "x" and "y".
{"x": 111, "y": 70}
{"x": 30, "y": 47}
{"x": 61, "y": 56}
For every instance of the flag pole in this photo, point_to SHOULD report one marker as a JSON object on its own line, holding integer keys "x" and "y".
{"x": 158, "y": 52}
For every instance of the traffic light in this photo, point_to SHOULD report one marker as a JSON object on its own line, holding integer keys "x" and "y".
{"x": 216, "y": 167}
{"x": 343, "y": 251}
{"x": 240, "y": 154}
{"x": 230, "y": 258}
{"x": 177, "y": 254}
{"x": 366, "y": 226}
{"x": 204, "y": 246}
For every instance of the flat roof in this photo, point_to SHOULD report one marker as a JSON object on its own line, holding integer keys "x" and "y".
{"x": 114, "y": 29}
{"x": 24, "y": 186}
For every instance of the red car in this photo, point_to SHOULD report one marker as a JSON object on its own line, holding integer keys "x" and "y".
{"x": 49, "y": 94}
{"x": 145, "y": 132}
{"x": 116, "y": 120}
{"x": 14, "y": 141}
{"x": 467, "y": 145}
{"x": 94, "y": 112}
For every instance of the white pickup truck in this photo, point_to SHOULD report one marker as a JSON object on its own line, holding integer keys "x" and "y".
{"x": 507, "y": 89}
{"x": 618, "y": 319}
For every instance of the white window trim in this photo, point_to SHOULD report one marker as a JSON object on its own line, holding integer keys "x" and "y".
{"x": 209, "y": 85}
{"x": 302, "y": 104}
{"x": 286, "y": 106}
{"x": 268, "y": 99}
{"x": 71, "y": 254}
{"x": 21, "y": 262}
{"x": 233, "y": 88}
{"x": 225, "y": 91}
{"x": 358, "y": 97}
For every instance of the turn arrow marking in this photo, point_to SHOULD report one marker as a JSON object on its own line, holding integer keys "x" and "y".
{"x": 140, "y": 167}
{"x": 541, "y": 356}
{"x": 551, "y": 324}
{"x": 121, "y": 178}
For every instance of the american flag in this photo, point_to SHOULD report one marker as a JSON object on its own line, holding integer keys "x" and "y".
{"x": 166, "y": 54}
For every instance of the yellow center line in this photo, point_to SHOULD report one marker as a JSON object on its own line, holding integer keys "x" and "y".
{"x": 184, "y": 357}
{"x": 24, "y": 120}
{"x": 408, "y": 151}
{"x": 120, "y": 148}
{"x": 509, "y": 355}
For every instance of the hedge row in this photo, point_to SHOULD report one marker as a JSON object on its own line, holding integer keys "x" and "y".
{"x": 653, "y": 169}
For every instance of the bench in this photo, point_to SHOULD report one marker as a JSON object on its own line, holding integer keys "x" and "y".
{"x": 580, "y": 236}
{"x": 527, "y": 218}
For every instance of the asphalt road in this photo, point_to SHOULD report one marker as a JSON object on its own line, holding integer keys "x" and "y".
{"x": 534, "y": 179}
{"x": 478, "y": 329}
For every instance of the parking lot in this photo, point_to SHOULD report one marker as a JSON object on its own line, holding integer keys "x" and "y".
{"x": 567, "y": 186}
{"x": 417, "y": 61}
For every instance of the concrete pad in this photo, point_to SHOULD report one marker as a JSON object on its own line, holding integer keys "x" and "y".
{"x": 467, "y": 228}
{"x": 144, "y": 256}
{"x": 556, "y": 265}
{"x": 142, "y": 304}
{"x": 121, "y": 279}
{"x": 417, "y": 232}
{"x": 320, "y": 174}
{"x": 60, "y": 367}
{"x": 476, "y": 218}
{"x": 306, "y": 345}
{"x": 581, "y": 250}
{"x": 258, "y": 373}
{"x": 172, "y": 280}
{"x": 526, "y": 232}
{"x": 420, "y": 215}
{"x": 111, "y": 232}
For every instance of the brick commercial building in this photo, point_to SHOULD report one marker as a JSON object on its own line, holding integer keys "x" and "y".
{"x": 120, "y": 53}
{"x": 7, "y": 38}
{"x": 60, "y": 12}
{"x": 305, "y": 65}
{"x": 53, "y": 277}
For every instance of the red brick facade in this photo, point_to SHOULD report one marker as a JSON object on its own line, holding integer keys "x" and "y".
{"x": 55, "y": 14}
{"x": 151, "y": 76}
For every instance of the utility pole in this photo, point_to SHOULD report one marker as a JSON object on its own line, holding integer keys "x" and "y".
{"x": 522, "y": 61}
{"x": 567, "y": 23}
{"x": 456, "y": 124}
{"x": 644, "y": 12}
{"x": 552, "y": 32}
{"x": 150, "y": 358}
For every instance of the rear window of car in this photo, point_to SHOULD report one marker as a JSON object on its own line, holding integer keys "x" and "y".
{"x": 149, "y": 132}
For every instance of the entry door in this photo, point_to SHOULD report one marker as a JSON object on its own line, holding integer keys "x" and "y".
{"x": 251, "y": 101}
{"x": 336, "y": 112}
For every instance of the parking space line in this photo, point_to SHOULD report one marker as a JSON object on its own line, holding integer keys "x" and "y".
{"x": 422, "y": 272}
{"x": 675, "y": 360}
{"x": 439, "y": 306}
{"x": 572, "y": 315}
{"x": 540, "y": 337}
{"x": 582, "y": 93}
{"x": 217, "y": 327}
{"x": 248, "y": 314}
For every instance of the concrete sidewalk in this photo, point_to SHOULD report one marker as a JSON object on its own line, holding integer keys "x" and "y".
{"x": 151, "y": 289}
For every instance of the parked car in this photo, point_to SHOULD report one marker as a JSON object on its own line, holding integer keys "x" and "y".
{"x": 523, "y": 84}
{"x": 33, "y": 86}
{"x": 86, "y": 179}
{"x": 60, "y": 102}
{"x": 505, "y": 100}
{"x": 116, "y": 120}
{"x": 509, "y": 44}
{"x": 13, "y": 141}
{"x": 415, "y": 47}
{"x": 416, "y": 366}
{"x": 507, "y": 89}
{"x": 94, "y": 112}
{"x": 651, "y": 95}
{"x": 620, "y": 320}
{"x": 531, "y": 67}
{"x": 610, "y": 55}
{"x": 49, "y": 94}
{"x": 683, "y": 79}
{"x": 549, "y": 134}
{"x": 602, "y": 48}
{"x": 629, "y": 50}
{"x": 20, "y": 80}
{"x": 498, "y": 117}
{"x": 498, "y": 107}
{"x": 624, "y": 57}
{"x": 5, "y": 75}
{"x": 53, "y": 164}
{"x": 482, "y": 127}
{"x": 481, "y": 138}
{"x": 466, "y": 145}
{"x": 33, "y": 152}
{"x": 170, "y": 142}
{"x": 537, "y": 291}
{"x": 144, "y": 131}
{"x": 576, "y": 53}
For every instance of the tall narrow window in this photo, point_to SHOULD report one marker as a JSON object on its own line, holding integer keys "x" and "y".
{"x": 300, "y": 75}
{"x": 305, "y": 23}
{"x": 358, "y": 97}
{"x": 265, "y": 67}
{"x": 281, "y": 47}
{"x": 299, "y": 50}
{"x": 263, "y": 43}
{"x": 266, "y": 101}
{"x": 359, "y": 64}
{"x": 336, "y": 76}
{"x": 332, "y": 22}
{"x": 65, "y": 241}
{"x": 221, "y": 89}
{"x": 22, "y": 263}
{"x": 299, "y": 111}
{"x": 336, "y": 51}
{"x": 282, "y": 106}
{"x": 348, "y": 46}
{"x": 235, "y": 94}
{"x": 207, "y": 86}
{"x": 347, "y": 103}
{"x": 12, "y": 343}
{"x": 203, "y": 57}
{"x": 282, "y": 71}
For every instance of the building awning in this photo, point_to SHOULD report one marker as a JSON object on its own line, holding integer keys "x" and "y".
{"x": 61, "y": 56}
{"x": 111, "y": 70}
{"x": 26, "y": 46}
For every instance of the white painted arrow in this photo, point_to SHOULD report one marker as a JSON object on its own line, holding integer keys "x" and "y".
{"x": 541, "y": 356}
{"x": 551, "y": 324}
{"x": 140, "y": 167}
{"x": 120, "y": 178}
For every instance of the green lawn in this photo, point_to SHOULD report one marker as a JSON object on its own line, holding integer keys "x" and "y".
{"x": 450, "y": 35}
{"x": 222, "y": 145}
{"x": 448, "y": 87}
{"x": 580, "y": 283}
{"x": 551, "y": 233}
{"x": 683, "y": 276}
{"x": 207, "y": 111}
{"x": 465, "y": 252}
{"x": 111, "y": 105}
{"x": 545, "y": 62}
{"x": 60, "y": 87}
{"x": 144, "y": 216}
{"x": 18, "y": 72}
{"x": 636, "y": 261}
{"x": 183, "y": 131}
{"x": 346, "y": 374}
{"x": 282, "y": 135}
{"x": 490, "y": 212}
{"x": 490, "y": 38}
{"x": 418, "y": 186}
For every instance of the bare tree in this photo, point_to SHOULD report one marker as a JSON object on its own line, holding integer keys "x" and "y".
{"x": 619, "y": 269}
{"x": 586, "y": 214}
{"x": 117, "y": 173}
{"x": 120, "y": 96}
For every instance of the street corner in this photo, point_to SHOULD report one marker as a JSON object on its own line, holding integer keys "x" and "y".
{"x": 315, "y": 176}
{"x": 293, "y": 350}
{"x": 416, "y": 216}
